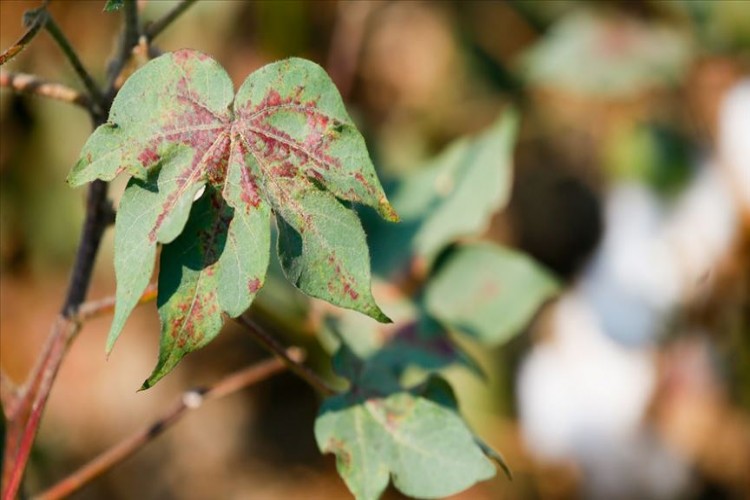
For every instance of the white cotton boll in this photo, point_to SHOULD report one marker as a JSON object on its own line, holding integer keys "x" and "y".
{"x": 632, "y": 280}
{"x": 701, "y": 229}
{"x": 734, "y": 138}
{"x": 633, "y": 249}
{"x": 583, "y": 396}
{"x": 581, "y": 387}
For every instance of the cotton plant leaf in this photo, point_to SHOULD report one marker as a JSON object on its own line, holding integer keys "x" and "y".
{"x": 414, "y": 437}
{"x": 456, "y": 194}
{"x": 283, "y": 145}
{"x": 488, "y": 291}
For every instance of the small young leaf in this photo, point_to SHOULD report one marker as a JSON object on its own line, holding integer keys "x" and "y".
{"x": 284, "y": 144}
{"x": 113, "y": 5}
{"x": 457, "y": 193}
{"x": 416, "y": 437}
{"x": 488, "y": 291}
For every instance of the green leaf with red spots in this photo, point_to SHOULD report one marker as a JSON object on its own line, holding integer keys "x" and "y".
{"x": 284, "y": 145}
{"x": 380, "y": 431}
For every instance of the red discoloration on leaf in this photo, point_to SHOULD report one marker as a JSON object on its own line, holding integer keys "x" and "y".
{"x": 254, "y": 285}
{"x": 148, "y": 157}
{"x": 367, "y": 185}
{"x": 273, "y": 98}
{"x": 317, "y": 176}
{"x": 350, "y": 291}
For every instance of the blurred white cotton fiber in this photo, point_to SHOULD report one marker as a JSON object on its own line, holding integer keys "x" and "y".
{"x": 583, "y": 392}
{"x": 734, "y": 138}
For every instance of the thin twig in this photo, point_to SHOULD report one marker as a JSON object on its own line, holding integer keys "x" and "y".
{"x": 128, "y": 40}
{"x": 62, "y": 41}
{"x": 94, "y": 225}
{"x": 37, "y": 21}
{"x": 31, "y": 84}
{"x": 190, "y": 400}
{"x": 94, "y": 309}
{"x": 272, "y": 345}
{"x": 155, "y": 28}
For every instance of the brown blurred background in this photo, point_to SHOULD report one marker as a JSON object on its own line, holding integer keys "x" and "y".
{"x": 632, "y": 184}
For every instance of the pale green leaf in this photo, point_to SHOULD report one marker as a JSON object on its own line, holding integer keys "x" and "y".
{"x": 488, "y": 291}
{"x": 456, "y": 194}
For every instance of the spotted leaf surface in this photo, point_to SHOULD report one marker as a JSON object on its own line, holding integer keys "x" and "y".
{"x": 284, "y": 145}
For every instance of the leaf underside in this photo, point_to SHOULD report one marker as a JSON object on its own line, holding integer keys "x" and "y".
{"x": 284, "y": 145}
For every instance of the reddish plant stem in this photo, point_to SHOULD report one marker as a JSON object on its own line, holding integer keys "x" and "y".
{"x": 25, "y": 414}
{"x": 190, "y": 400}
{"x": 26, "y": 411}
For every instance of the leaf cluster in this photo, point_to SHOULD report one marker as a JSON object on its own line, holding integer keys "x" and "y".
{"x": 210, "y": 169}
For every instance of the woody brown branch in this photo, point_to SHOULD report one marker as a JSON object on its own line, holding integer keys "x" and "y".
{"x": 30, "y": 84}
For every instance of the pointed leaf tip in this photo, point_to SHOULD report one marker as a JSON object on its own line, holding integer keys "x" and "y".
{"x": 386, "y": 210}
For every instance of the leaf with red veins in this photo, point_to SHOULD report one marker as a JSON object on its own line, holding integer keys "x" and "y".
{"x": 291, "y": 113}
{"x": 285, "y": 143}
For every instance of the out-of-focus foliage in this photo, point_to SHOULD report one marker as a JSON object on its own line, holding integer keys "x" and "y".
{"x": 456, "y": 194}
{"x": 488, "y": 291}
{"x": 113, "y": 5}
{"x": 607, "y": 56}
